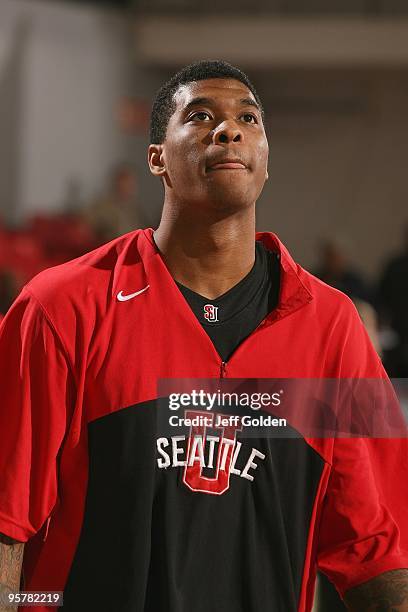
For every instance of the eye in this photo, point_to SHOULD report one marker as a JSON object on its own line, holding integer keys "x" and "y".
{"x": 249, "y": 118}
{"x": 200, "y": 116}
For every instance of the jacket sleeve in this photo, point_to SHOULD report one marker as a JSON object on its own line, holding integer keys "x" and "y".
{"x": 364, "y": 528}
{"x": 364, "y": 521}
{"x": 36, "y": 390}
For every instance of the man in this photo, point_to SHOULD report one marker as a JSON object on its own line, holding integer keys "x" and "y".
{"x": 116, "y": 212}
{"x": 122, "y": 517}
{"x": 393, "y": 304}
{"x": 336, "y": 270}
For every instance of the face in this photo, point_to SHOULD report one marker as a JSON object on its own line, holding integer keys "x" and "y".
{"x": 215, "y": 153}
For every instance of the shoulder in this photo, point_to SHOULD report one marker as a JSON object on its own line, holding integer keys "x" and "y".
{"x": 349, "y": 345}
{"x": 89, "y": 274}
{"x": 328, "y": 301}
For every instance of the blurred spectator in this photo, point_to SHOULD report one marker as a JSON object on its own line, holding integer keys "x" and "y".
{"x": 72, "y": 202}
{"x": 370, "y": 319}
{"x": 393, "y": 304}
{"x": 335, "y": 270}
{"x": 21, "y": 256}
{"x": 44, "y": 240}
{"x": 62, "y": 236}
{"x": 117, "y": 212}
{"x": 8, "y": 291}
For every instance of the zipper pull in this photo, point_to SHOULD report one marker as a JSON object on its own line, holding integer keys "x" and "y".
{"x": 223, "y": 368}
{"x": 46, "y": 528}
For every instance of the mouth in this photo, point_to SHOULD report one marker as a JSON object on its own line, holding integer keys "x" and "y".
{"x": 228, "y": 164}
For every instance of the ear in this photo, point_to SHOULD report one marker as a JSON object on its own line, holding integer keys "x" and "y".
{"x": 155, "y": 158}
{"x": 266, "y": 175}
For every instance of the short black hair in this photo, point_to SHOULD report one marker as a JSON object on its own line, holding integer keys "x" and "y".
{"x": 164, "y": 104}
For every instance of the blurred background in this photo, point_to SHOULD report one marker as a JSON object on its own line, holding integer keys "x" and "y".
{"x": 76, "y": 85}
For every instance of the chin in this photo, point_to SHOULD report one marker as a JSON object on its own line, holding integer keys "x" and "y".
{"x": 231, "y": 197}
{"x": 235, "y": 189}
{"x": 230, "y": 204}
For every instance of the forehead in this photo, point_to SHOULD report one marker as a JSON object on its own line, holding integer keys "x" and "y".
{"x": 228, "y": 90}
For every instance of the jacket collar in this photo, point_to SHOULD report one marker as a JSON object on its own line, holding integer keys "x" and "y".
{"x": 293, "y": 292}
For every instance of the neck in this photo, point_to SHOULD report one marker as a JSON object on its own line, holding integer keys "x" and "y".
{"x": 205, "y": 254}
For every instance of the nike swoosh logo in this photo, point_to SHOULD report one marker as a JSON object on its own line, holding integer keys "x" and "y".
{"x": 124, "y": 298}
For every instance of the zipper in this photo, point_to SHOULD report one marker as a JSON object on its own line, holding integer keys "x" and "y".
{"x": 262, "y": 324}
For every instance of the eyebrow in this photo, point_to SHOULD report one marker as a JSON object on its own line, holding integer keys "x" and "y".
{"x": 208, "y": 101}
{"x": 249, "y": 102}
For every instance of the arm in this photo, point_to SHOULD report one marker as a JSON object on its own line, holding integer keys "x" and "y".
{"x": 387, "y": 592}
{"x": 11, "y": 557}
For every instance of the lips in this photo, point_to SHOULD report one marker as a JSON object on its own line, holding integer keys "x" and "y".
{"x": 228, "y": 164}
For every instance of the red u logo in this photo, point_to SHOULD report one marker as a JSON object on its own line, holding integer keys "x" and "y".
{"x": 197, "y": 442}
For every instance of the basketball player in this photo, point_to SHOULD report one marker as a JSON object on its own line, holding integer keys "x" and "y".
{"x": 123, "y": 517}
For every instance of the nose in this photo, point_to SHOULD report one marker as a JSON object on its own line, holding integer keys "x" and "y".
{"x": 227, "y": 132}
